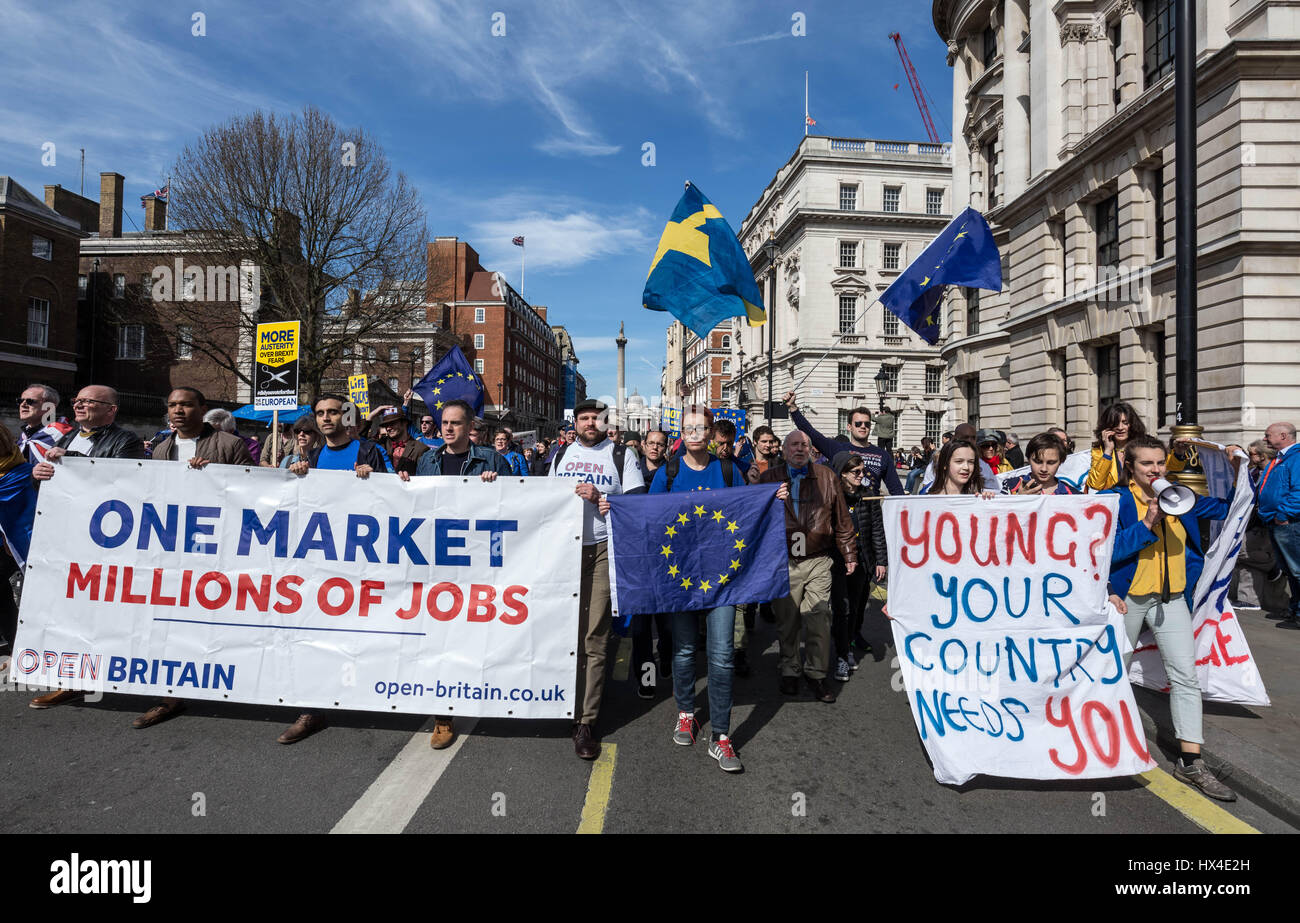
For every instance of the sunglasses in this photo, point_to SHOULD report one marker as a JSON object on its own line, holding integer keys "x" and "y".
{"x": 860, "y": 423}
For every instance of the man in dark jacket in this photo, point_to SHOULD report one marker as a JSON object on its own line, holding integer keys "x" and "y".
{"x": 191, "y": 440}
{"x": 817, "y": 523}
{"x": 96, "y": 433}
{"x": 879, "y": 463}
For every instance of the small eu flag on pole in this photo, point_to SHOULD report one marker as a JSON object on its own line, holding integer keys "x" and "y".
{"x": 677, "y": 552}
{"x": 453, "y": 378}
{"x": 700, "y": 274}
{"x": 962, "y": 254}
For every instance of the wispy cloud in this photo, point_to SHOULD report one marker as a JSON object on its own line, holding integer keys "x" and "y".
{"x": 771, "y": 36}
{"x": 561, "y": 232}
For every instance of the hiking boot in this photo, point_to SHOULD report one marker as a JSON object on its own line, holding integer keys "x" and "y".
{"x": 444, "y": 732}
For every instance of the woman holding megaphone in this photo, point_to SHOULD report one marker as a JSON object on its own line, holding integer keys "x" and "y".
{"x": 1153, "y": 571}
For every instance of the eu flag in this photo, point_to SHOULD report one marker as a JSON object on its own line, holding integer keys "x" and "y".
{"x": 700, "y": 274}
{"x": 737, "y": 417}
{"x": 453, "y": 378}
{"x": 697, "y": 549}
{"x": 962, "y": 254}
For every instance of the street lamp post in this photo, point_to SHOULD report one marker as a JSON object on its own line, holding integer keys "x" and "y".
{"x": 881, "y": 378}
{"x": 771, "y": 249}
{"x": 416, "y": 354}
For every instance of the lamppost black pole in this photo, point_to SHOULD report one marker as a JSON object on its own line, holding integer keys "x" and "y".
{"x": 94, "y": 318}
{"x": 1185, "y": 211}
{"x": 1185, "y": 312}
{"x": 770, "y": 249}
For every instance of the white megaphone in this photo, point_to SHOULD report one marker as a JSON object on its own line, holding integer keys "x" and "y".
{"x": 1175, "y": 499}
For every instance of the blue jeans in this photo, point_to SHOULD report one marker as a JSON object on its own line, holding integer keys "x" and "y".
{"x": 1287, "y": 540}
{"x": 912, "y": 477}
{"x": 719, "y": 623}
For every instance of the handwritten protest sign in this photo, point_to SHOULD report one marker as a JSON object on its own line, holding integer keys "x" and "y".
{"x": 443, "y": 595}
{"x": 1011, "y": 663}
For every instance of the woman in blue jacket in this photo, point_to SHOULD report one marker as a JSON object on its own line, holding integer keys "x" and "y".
{"x": 1153, "y": 571}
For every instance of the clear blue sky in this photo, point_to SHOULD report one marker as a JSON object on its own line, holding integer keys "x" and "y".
{"x": 538, "y": 132}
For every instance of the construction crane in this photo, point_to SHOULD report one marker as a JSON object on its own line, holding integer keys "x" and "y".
{"x": 917, "y": 90}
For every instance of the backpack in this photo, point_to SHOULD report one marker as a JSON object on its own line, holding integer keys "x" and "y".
{"x": 674, "y": 465}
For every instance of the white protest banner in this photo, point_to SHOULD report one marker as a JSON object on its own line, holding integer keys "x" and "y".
{"x": 1011, "y": 663}
{"x": 438, "y": 596}
{"x": 1073, "y": 471}
{"x": 1225, "y": 669}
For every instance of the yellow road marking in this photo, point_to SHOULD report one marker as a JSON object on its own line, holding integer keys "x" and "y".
{"x": 622, "y": 659}
{"x": 598, "y": 789}
{"x": 1195, "y": 807}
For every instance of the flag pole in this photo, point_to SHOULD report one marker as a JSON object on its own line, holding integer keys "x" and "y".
{"x": 523, "y": 250}
{"x": 838, "y": 337}
{"x": 166, "y": 211}
{"x": 805, "y": 104}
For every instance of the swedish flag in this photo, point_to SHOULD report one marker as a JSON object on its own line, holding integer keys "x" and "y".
{"x": 962, "y": 254}
{"x": 700, "y": 274}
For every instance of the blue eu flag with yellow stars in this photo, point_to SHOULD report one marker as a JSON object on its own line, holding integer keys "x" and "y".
{"x": 700, "y": 274}
{"x": 453, "y": 378}
{"x": 701, "y": 549}
{"x": 962, "y": 254}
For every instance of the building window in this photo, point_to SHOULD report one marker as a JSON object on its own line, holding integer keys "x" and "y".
{"x": 843, "y": 418}
{"x": 392, "y": 354}
{"x": 848, "y": 254}
{"x": 1158, "y": 194}
{"x": 891, "y": 379}
{"x": 184, "y": 342}
{"x": 480, "y": 315}
{"x": 370, "y": 353}
{"x": 1117, "y": 52}
{"x": 891, "y": 256}
{"x": 478, "y": 366}
{"x": 1108, "y": 231}
{"x": 1106, "y": 361}
{"x": 347, "y": 352}
{"x": 130, "y": 341}
{"x": 892, "y": 195}
{"x": 990, "y": 45}
{"x": 392, "y": 384}
{"x": 848, "y": 312}
{"x": 972, "y": 311}
{"x": 146, "y": 286}
{"x": 42, "y": 247}
{"x": 726, "y": 366}
{"x": 933, "y": 379}
{"x": 991, "y": 174}
{"x": 726, "y": 341}
{"x": 479, "y": 341}
{"x": 972, "y": 389}
{"x": 848, "y": 198}
{"x": 934, "y": 425}
{"x": 119, "y": 285}
{"x": 83, "y": 283}
{"x": 1157, "y": 40}
{"x": 890, "y": 321}
{"x": 934, "y": 201}
{"x": 38, "y": 322}
{"x": 848, "y": 377}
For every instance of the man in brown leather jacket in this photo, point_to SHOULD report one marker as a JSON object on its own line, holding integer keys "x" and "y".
{"x": 816, "y": 522}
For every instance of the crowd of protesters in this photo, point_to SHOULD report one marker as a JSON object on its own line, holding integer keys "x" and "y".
{"x": 830, "y": 489}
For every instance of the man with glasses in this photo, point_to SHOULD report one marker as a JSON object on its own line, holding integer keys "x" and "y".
{"x": 877, "y": 463}
{"x": 97, "y": 435}
{"x": 38, "y": 426}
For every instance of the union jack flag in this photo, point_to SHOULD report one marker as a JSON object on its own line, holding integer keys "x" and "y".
{"x": 159, "y": 194}
{"x": 810, "y": 120}
{"x": 518, "y": 241}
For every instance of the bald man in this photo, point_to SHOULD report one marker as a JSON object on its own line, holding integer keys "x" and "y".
{"x": 817, "y": 526}
{"x": 1279, "y": 506}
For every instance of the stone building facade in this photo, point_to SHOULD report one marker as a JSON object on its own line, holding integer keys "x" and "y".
{"x": 1063, "y": 128}
{"x": 848, "y": 215}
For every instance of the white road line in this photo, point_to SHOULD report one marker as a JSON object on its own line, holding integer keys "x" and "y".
{"x": 392, "y": 799}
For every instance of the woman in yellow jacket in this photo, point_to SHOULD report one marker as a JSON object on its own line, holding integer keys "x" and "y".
{"x": 1118, "y": 425}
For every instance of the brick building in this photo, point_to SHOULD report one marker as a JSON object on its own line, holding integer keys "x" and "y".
{"x": 509, "y": 341}
{"x": 38, "y": 292}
